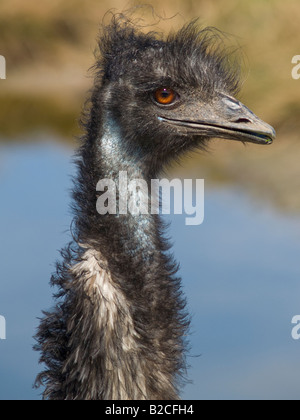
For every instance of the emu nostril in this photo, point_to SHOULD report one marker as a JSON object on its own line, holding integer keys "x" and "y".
{"x": 242, "y": 120}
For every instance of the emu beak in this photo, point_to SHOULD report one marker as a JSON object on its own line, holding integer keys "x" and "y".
{"x": 225, "y": 117}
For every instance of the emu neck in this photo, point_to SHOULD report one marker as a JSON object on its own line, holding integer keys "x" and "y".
{"x": 134, "y": 312}
{"x": 117, "y": 331}
{"x": 139, "y": 234}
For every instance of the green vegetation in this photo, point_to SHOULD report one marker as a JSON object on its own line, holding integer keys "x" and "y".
{"x": 53, "y": 35}
{"x": 31, "y": 114}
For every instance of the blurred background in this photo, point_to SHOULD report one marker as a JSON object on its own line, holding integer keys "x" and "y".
{"x": 240, "y": 268}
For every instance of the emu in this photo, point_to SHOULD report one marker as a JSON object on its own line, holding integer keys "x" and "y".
{"x": 119, "y": 327}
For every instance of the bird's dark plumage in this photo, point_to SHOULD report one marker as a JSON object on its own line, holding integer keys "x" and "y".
{"x": 118, "y": 330}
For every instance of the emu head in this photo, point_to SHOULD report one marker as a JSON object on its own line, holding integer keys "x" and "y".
{"x": 167, "y": 96}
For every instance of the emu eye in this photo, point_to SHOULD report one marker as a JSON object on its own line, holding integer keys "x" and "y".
{"x": 165, "y": 96}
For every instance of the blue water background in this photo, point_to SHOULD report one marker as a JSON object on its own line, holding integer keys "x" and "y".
{"x": 240, "y": 271}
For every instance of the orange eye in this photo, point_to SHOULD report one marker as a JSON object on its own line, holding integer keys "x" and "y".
{"x": 164, "y": 96}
